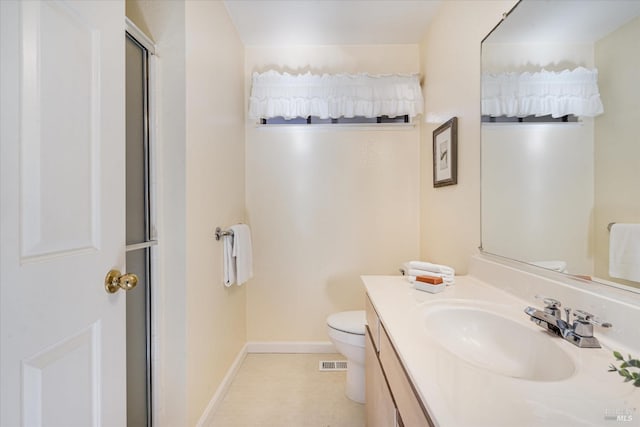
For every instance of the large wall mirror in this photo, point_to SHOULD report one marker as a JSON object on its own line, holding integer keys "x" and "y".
{"x": 552, "y": 182}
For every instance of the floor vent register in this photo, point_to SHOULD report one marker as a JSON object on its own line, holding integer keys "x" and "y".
{"x": 333, "y": 365}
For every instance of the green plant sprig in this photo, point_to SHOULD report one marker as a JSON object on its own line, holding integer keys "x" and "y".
{"x": 624, "y": 371}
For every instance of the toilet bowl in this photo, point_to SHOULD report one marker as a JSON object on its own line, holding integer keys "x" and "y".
{"x": 346, "y": 330}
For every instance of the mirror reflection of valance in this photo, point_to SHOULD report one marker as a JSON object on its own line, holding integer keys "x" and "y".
{"x": 542, "y": 93}
{"x": 333, "y": 96}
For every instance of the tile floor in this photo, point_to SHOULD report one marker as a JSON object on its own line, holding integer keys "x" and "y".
{"x": 288, "y": 390}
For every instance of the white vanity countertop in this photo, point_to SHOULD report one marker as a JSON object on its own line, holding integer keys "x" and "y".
{"x": 459, "y": 394}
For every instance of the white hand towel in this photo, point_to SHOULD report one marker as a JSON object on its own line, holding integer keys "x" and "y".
{"x": 427, "y": 266}
{"x": 229, "y": 263}
{"x": 624, "y": 251}
{"x": 242, "y": 252}
{"x": 415, "y": 272}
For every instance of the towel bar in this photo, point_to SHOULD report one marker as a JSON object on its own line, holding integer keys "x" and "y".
{"x": 222, "y": 233}
{"x": 611, "y": 224}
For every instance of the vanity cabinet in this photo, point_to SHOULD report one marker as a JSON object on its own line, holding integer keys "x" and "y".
{"x": 373, "y": 324}
{"x": 380, "y": 409}
{"x": 390, "y": 398}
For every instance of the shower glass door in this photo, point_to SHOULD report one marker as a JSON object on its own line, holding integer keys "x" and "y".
{"x": 140, "y": 234}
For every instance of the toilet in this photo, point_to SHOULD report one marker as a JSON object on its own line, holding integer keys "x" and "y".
{"x": 346, "y": 330}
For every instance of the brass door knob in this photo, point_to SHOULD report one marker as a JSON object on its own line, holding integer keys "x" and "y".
{"x": 115, "y": 281}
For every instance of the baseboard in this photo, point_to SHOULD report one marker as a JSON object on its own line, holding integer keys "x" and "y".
{"x": 207, "y": 416}
{"x": 291, "y": 347}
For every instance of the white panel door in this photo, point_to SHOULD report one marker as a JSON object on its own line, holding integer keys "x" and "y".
{"x": 62, "y": 199}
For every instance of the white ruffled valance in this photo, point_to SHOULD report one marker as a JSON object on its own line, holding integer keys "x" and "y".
{"x": 333, "y": 96}
{"x": 542, "y": 93}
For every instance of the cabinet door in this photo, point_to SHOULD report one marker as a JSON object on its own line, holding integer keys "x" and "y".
{"x": 407, "y": 402}
{"x": 374, "y": 323}
{"x": 379, "y": 406}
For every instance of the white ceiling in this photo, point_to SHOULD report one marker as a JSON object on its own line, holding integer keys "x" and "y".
{"x": 331, "y": 22}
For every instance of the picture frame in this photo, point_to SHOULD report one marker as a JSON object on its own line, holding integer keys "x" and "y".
{"x": 445, "y": 154}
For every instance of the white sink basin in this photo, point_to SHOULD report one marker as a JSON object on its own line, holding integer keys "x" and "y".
{"x": 487, "y": 339}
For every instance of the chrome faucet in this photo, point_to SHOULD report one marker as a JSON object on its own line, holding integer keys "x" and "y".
{"x": 579, "y": 333}
{"x": 549, "y": 318}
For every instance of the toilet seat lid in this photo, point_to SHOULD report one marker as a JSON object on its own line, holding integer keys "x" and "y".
{"x": 352, "y": 322}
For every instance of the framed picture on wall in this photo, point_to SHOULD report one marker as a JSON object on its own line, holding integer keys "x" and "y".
{"x": 445, "y": 154}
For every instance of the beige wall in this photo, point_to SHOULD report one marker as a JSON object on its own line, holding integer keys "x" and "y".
{"x": 201, "y": 149}
{"x": 617, "y": 146}
{"x": 450, "y": 54}
{"x": 216, "y": 328}
{"x": 326, "y": 204}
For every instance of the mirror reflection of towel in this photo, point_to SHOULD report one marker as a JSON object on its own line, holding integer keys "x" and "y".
{"x": 624, "y": 251}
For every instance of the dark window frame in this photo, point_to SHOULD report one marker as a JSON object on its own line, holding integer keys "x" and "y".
{"x": 569, "y": 118}
{"x": 314, "y": 120}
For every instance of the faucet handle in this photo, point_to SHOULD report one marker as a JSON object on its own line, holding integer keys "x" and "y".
{"x": 551, "y": 306}
{"x": 549, "y": 302}
{"x": 586, "y": 317}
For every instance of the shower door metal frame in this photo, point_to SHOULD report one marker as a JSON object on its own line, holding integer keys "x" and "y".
{"x": 135, "y": 35}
